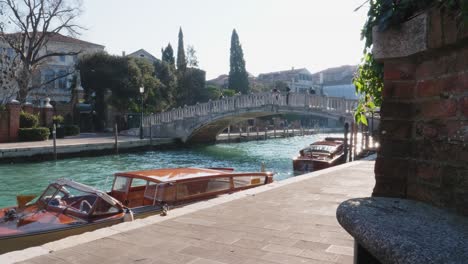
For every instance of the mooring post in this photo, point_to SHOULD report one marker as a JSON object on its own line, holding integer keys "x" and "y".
{"x": 355, "y": 141}
{"x": 248, "y": 132}
{"x": 274, "y": 130}
{"x": 367, "y": 137}
{"x": 151, "y": 133}
{"x": 266, "y": 132}
{"x": 116, "y": 139}
{"x": 229, "y": 133}
{"x": 54, "y": 136}
{"x": 351, "y": 142}
{"x": 346, "y": 130}
{"x": 257, "y": 133}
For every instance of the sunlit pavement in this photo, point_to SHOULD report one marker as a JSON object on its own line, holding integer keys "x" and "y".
{"x": 292, "y": 221}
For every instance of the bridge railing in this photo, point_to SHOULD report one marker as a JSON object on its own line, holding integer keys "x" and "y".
{"x": 229, "y": 104}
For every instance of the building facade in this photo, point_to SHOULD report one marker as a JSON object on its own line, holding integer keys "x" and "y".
{"x": 142, "y": 54}
{"x": 298, "y": 80}
{"x": 55, "y": 77}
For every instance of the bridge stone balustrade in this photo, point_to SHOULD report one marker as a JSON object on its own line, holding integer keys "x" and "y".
{"x": 203, "y": 122}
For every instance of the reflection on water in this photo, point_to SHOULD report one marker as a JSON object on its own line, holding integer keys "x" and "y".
{"x": 32, "y": 178}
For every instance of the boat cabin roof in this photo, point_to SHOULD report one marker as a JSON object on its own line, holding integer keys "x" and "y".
{"x": 173, "y": 174}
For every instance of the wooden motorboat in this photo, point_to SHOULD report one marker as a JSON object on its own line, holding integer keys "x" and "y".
{"x": 65, "y": 208}
{"x": 143, "y": 190}
{"x": 320, "y": 155}
{"x": 68, "y": 208}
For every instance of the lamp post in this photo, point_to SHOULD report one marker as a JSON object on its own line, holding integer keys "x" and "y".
{"x": 142, "y": 91}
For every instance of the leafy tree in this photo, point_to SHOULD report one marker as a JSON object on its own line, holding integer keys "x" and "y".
{"x": 181, "y": 60}
{"x": 167, "y": 75}
{"x": 110, "y": 80}
{"x": 33, "y": 24}
{"x": 229, "y": 92}
{"x": 191, "y": 86}
{"x": 238, "y": 77}
{"x": 192, "y": 59}
{"x": 168, "y": 55}
{"x": 213, "y": 92}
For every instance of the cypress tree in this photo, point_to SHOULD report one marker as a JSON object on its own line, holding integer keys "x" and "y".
{"x": 238, "y": 78}
{"x": 168, "y": 55}
{"x": 181, "y": 60}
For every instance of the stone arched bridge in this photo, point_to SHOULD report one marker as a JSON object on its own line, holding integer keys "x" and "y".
{"x": 203, "y": 122}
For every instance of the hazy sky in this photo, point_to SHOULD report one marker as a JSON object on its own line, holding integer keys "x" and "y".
{"x": 275, "y": 34}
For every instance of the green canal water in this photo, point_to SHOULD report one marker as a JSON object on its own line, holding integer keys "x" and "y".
{"x": 32, "y": 178}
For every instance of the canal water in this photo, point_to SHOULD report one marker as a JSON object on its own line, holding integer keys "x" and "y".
{"x": 32, "y": 178}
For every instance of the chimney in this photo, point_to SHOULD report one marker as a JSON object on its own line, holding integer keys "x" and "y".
{"x": 123, "y": 53}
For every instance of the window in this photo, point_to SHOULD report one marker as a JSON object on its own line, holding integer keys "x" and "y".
{"x": 201, "y": 187}
{"x": 62, "y": 58}
{"x": 121, "y": 184}
{"x": 62, "y": 82}
{"x": 138, "y": 182}
{"x": 49, "y": 75}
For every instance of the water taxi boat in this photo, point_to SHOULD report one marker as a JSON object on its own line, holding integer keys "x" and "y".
{"x": 320, "y": 155}
{"x": 68, "y": 208}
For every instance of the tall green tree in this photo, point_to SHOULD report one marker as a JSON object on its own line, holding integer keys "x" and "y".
{"x": 166, "y": 73}
{"x": 191, "y": 88}
{"x": 168, "y": 55}
{"x": 238, "y": 77}
{"x": 181, "y": 60}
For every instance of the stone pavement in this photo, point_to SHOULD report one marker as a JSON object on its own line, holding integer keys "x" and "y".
{"x": 86, "y": 142}
{"x": 292, "y": 221}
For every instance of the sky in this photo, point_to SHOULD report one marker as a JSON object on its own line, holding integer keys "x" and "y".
{"x": 275, "y": 34}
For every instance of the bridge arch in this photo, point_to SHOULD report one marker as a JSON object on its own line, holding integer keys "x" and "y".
{"x": 203, "y": 122}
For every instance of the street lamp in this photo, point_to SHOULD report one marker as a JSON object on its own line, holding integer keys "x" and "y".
{"x": 142, "y": 91}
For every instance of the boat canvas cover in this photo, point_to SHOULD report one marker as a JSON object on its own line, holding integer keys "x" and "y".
{"x": 175, "y": 174}
{"x": 88, "y": 189}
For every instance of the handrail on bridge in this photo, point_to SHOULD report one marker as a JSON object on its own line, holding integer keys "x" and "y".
{"x": 309, "y": 101}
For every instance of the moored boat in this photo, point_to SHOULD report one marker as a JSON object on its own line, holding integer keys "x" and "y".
{"x": 69, "y": 208}
{"x": 320, "y": 155}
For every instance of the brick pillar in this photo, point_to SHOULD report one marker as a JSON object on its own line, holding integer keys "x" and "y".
{"x": 424, "y": 114}
{"x": 28, "y": 108}
{"x": 47, "y": 113}
{"x": 14, "y": 109}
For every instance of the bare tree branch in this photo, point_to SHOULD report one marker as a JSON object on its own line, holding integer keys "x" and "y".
{"x": 27, "y": 26}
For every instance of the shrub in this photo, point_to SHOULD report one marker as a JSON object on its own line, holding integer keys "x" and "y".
{"x": 58, "y": 119}
{"x": 71, "y": 130}
{"x": 33, "y": 134}
{"x": 28, "y": 120}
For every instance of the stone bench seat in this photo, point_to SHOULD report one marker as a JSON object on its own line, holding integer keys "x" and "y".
{"x": 403, "y": 231}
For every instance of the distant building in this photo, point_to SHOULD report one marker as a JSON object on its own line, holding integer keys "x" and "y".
{"x": 143, "y": 54}
{"x": 223, "y": 81}
{"x": 337, "y": 81}
{"x": 298, "y": 80}
{"x": 43, "y": 83}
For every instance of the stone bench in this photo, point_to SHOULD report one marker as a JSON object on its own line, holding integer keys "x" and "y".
{"x": 391, "y": 230}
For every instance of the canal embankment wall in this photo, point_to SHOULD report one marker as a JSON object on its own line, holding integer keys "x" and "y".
{"x": 107, "y": 145}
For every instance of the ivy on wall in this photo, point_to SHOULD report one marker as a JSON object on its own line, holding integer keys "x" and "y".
{"x": 385, "y": 14}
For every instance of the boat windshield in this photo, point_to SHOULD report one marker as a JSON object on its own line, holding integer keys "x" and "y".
{"x": 68, "y": 197}
{"x": 322, "y": 148}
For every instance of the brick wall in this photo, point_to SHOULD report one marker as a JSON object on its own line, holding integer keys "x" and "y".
{"x": 424, "y": 129}
{"x": 9, "y": 123}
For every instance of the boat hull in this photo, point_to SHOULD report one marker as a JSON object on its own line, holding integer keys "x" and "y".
{"x": 19, "y": 242}
{"x": 305, "y": 165}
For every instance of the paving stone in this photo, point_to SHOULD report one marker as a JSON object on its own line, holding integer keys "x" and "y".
{"x": 349, "y": 251}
